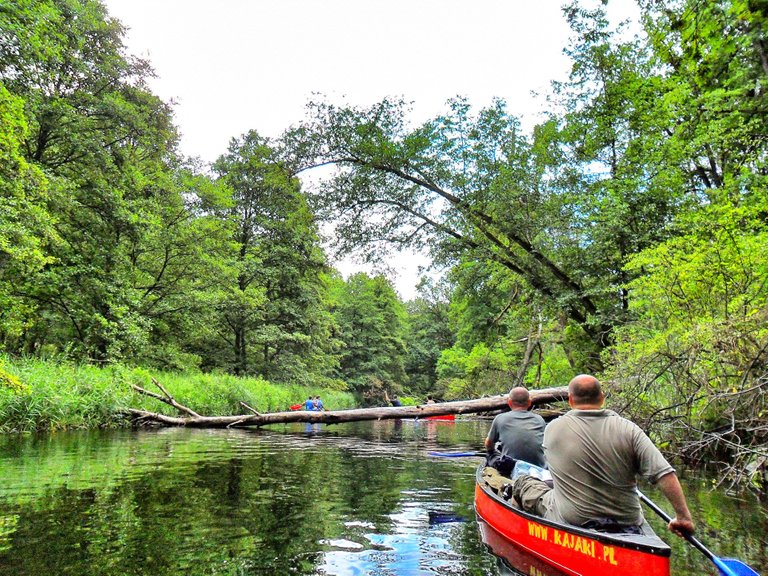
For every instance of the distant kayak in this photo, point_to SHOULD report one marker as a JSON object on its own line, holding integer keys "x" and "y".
{"x": 441, "y": 417}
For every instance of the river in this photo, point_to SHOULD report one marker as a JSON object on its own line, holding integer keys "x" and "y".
{"x": 352, "y": 499}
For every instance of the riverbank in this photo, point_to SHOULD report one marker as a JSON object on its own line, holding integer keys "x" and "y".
{"x": 43, "y": 396}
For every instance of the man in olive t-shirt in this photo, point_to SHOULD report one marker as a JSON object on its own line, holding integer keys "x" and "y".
{"x": 594, "y": 456}
{"x": 519, "y": 431}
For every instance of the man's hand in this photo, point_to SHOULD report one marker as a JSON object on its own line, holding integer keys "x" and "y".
{"x": 681, "y": 527}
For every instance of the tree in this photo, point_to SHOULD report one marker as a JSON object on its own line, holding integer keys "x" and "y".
{"x": 132, "y": 242}
{"x": 371, "y": 324}
{"x": 620, "y": 189}
{"x": 429, "y": 332}
{"x": 25, "y": 227}
{"x": 675, "y": 119}
{"x": 464, "y": 185}
{"x": 714, "y": 58}
{"x": 273, "y": 311}
{"x": 697, "y": 350}
{"x": 695, "y": 346}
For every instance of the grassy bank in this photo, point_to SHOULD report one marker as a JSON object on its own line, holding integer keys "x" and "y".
{"x": 38, "y": 395}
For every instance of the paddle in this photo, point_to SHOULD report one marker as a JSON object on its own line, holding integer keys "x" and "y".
{"x": 726, "y": 566}
{"x": 456, "y": 454}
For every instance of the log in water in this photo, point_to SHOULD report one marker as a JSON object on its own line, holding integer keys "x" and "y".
{"x": 194, "y": 420}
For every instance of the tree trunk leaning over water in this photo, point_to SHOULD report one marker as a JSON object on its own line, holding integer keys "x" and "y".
{"x": 195, "y": 420}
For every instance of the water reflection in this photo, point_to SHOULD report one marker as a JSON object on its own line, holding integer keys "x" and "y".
{"x": 312, "y": 429}
{"x": 511, "y": 558}
{"x": 296, "y": 500}
{"x": 412, "y": 547}
{"x": 358, "y": 498}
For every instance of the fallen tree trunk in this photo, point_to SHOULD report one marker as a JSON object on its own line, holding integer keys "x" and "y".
{"x": 195, "y": 420}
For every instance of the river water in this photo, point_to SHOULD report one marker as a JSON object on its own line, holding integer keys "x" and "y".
{"x": 353, "y": 499}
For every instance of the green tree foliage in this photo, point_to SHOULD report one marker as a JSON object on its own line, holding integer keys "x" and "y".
{"x": 692, "y": 351}
{"x": 620, "y": 190}
{"x": 272, "y": 311}
{"x": 131, "y": 242}
{"x": 713, "y": 59}
{"x": 506, "y": 336}
{"x": 25, "y": 227}
{"x": 467, "y": 185}
{"x": 371, "y": 324}
{"x": 429, "y": 332}
{"x": 696, "y": 356}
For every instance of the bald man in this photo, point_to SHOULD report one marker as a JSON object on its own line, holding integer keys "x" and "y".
{"x": 595, "y": 457}
{"x": 519, "y": 431}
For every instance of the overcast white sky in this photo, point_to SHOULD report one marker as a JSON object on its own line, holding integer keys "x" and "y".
{"x": 237, "y": 65}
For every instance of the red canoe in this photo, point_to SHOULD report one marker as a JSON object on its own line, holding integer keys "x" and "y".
{"x": 565, "y": 550}
{"x": 441, "y": 417}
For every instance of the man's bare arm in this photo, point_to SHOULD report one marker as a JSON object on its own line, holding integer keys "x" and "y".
{"x": 673, "y": 491}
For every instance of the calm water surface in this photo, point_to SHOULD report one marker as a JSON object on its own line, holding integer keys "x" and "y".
{"x": 349, "y": 499}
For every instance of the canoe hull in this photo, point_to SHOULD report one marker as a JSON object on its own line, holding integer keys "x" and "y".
{"x": 569, "y": 550}
{"x": 449, "y": 417}
{"x": 517, "y": 558}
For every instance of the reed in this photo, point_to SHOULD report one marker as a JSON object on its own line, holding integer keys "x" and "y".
{"x": 38, "y": 395}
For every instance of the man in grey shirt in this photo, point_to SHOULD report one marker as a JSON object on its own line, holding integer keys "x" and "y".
{"x": 594, "y": 456}
{"x": 519, "y": 431}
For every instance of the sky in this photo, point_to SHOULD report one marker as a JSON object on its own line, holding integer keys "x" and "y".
{"x": 232, "y": 66}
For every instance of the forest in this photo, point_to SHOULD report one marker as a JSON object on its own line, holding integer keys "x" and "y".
{"x": 624, "y": 235}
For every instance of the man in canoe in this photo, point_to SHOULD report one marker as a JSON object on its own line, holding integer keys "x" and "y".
{"x": 519, "y": 431}
{"x": 595, "y": 456}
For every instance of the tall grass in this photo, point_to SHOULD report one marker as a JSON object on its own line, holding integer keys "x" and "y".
{"x": 56, "y": 396}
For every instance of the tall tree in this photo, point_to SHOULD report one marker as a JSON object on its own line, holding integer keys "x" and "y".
{"x": 371, "y": 324}
{"x": 429, "y": 332}
{"x": 713, "y": 57}
{"x": 691, "y": 353}
{"x": 623, "y": 192}
{"x": 25, "y": 226}
{"x": 276, "y": 323}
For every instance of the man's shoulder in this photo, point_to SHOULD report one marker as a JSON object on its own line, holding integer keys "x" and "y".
{"x": 619, "y": 425}
{"x": 520, "y": 414}
{"x": 534, "y": 416}
{"x": 526, "y": 416}
{"x": 499, "y": 418}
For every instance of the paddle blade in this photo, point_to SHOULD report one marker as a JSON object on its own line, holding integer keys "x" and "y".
{"x": 456, "y": 454}
{"x": 733, "y": 567}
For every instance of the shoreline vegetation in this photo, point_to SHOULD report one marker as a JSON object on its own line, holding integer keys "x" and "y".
{"x": 46, "y": 396}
